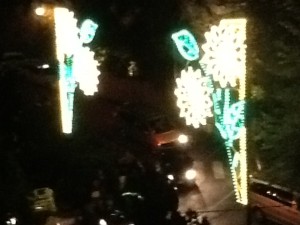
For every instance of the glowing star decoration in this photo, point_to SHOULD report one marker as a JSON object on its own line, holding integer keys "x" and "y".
{"x": 186, "y": 44}
{"x": 225, "y": 51}
{"x": 76, "y": 64}
{"x": 87, "y": 31}
{"x": 193, "y": 97}
{"x": 225, "y": 60}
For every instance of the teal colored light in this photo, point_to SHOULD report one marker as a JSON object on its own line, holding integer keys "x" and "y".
{"x": 231, "y": 126}
{"x": 186, "y": 44}
{"x": 69, "y": 81}
{"x": 226, "y": 106}
{"x": 229, "y": 118}
{"x": 68, "y": 66}
{"x": 88, "y": 31}
{"x": 217, "y": 98}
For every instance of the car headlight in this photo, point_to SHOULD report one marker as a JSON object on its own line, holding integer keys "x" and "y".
{"x": 11, "y": 221}
{"x": 102, "y": 222}
{"x": 182, "y": 139}
{"x": 190, "y": 174}
{"x": 170, "y": 177}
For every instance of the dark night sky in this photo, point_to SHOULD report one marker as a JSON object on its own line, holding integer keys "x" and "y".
{"x": 132, "y": 29}
{"x": 131, "y": 24}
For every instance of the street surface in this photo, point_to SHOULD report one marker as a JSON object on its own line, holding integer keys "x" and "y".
{"x": 215, "y": 197}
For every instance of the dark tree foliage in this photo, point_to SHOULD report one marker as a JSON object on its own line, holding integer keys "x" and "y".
{"x": 135, "y": 30}
{"x": 274, "y": 75}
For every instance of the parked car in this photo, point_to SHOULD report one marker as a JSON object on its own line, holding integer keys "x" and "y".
{"x": 274, "y": 203}
{"x": 155, "y": 128}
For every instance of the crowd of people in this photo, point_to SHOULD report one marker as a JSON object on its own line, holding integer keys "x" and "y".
{"x": 140, "y": 192}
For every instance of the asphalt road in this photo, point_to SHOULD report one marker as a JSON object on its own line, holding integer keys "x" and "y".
{"x": 215, "y": 195}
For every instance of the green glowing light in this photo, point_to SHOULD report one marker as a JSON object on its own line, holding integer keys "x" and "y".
{"x": 186, "y": 44}
{"x": 229, "y": 118}
{"x": 88, "y": 31}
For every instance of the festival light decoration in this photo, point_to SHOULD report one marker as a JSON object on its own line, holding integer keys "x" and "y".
{"x": 225, "y": 60}
{"x": 186, "y": 44}
{"x": 225, "y": 51}
{"x": 194, "y": 97}
{"x": 86, "y": 71}
{"x": 76, "y": 63}
{"x": 87, "y": 31}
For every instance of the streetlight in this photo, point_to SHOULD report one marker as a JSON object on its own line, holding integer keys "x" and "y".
{"x": 40, "y": 11}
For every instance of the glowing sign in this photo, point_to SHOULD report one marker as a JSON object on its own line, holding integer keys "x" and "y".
{"x": 76, "y": 64}
{"x": 186, "y": 44}
{"x": 193, "y": 97}
{"x": 225, "y": 59}
{"x": 87, "y": 31}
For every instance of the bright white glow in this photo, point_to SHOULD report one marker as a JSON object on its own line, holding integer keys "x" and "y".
{"x": 183, "y": 139}
{"x": 66, "y": 33}
{"x": 225, "y": 51}
{"x": 40, "y": 11}
{"x": 190, "y": 174}
{"x": 12, "y": 221}
{"x": 86, "y": 71}
{"x": 102, "y": 222}
{"x": 170, "y": 177}
{"x": 44, "y": 66}
{"x": 194, "y": 97}
{"x": 76, "y": 64}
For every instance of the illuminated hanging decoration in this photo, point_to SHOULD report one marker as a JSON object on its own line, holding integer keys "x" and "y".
{"x": 225, "y": 60}
{"x": 87, "y": 31}
{"x": 76, "y": 63}
{"x": 225, "y": 52}
{"x": 186, "y": 45}
{"x": 194, "y": 97}
{"x": 85, "y": 66}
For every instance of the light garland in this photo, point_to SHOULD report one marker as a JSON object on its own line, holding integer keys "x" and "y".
{"x": 76, "y": 63}
{"x": 194, "y": 97}
{"x": 225, "y": 51}
{"x": 225, "y": 60}
{"x": 186, "y": 44}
